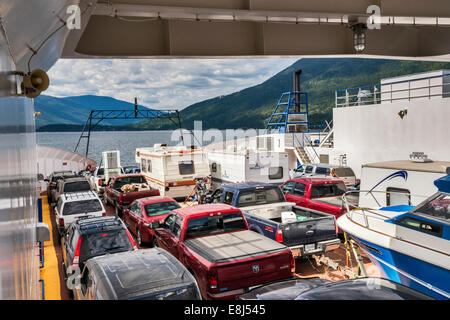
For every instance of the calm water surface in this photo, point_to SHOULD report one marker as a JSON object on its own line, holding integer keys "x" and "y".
{"x": 124, "y": 141}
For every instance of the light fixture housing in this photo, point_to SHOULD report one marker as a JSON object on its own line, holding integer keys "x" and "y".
{"x": 359, "y": 36}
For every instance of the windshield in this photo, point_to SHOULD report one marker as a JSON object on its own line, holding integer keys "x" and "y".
{"x": 261, "y": 196}
{"x": 83, "y": 206}
{"x": 77, "y": 186}
{"x": 327, "y": 190}
{"x": 214, "y": 225}
{"x": 105, "y": 242}
{"x": 160, "y": 208}
{"x": 437, "y": 206}
{"x": 127, "y": 180}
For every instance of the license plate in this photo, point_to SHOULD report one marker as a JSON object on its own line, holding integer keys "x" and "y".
{"x": 310, "y": 247}
{"x": 296, "y": 252}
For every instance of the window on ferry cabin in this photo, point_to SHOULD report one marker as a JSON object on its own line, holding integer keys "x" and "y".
{"x": 186, "y": 167}
{"x": 275, "y": 173}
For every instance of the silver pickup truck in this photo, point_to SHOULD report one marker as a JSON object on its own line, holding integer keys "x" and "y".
{"x": 305, "y": 231}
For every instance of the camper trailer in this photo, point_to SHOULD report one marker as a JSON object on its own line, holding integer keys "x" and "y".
{"x": 231, "y": 166}
{"x": 173, "y": 170}
{"x": 402, "y": 182}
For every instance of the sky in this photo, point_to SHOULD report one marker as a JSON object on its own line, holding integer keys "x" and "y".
{"x": 160, "y": 83}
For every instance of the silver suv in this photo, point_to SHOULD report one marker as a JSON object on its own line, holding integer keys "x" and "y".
{"x": 70, "y": 185}
{"x": 346, "y": 174}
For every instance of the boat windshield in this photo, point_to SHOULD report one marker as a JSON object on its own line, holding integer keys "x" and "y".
{"x": 437, "y": 206}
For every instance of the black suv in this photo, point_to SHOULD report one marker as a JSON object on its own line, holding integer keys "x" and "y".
{"x": 91, "y": 237}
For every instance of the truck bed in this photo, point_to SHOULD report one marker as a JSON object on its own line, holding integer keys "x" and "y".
{"x": 234, "y": 246}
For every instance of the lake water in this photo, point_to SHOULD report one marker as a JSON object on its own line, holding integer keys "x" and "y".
{"x": 125, "y": 141}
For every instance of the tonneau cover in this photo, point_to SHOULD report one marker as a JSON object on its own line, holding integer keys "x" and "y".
{"x": 234, "y": 246}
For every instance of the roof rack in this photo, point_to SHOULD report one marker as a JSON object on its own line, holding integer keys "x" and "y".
{"x": 102, "y": 223}
{"x": 79, "y": 195}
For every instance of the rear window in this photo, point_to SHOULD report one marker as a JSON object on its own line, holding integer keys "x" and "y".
{"x": 186, "y": 293}
{"x": 82, "y": 206}
{"x": 275, "y": 173}
{"x": 262, "y": 196}
{"x": 327, "y": 190}
{"x": 104, "y": 242}
{"x": 120, "y": 182}
{"x": 186, "y": 167}
{"x": 76, "y": 186}
{"x": 308, "y": 169}
{"x": 345, "y": 172}
{"x": 156, "y": 209}
{"x": 322, "y": 170}
{"x": 215, "y": 225}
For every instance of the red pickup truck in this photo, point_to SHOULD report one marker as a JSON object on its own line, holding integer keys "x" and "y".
{"x": 120, "y": 199}
{"x": 321, "y": 194}
{"x": 226, "y": 258}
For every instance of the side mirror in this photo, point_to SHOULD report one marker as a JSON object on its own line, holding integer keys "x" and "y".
{"x": 166, "y": 188}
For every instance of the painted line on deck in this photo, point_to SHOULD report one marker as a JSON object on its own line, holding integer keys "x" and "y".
{"x": 50, "y": 272}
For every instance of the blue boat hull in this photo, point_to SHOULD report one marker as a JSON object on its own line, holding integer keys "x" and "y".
{"x": 416, "y": 274}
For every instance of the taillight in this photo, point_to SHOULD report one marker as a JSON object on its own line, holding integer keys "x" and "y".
{"x": 292, "y": 264}
{"x": 61, "y": 222}
{"x": 121, "y": 197}
{"x": 133, "y": 244}
{"x": 76, "y": 257}
{"x": 100, "y": 181}
{"x": 104, "y": 214}
{"x": 52, "y": 184}
{"x": 279, "y": 235}
{"x": 212, "y": 279}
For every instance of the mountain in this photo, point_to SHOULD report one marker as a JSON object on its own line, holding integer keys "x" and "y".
{"x": 320, "y": 78}
{"x": 75, "y": 110}
{"x": 251, "y": 107}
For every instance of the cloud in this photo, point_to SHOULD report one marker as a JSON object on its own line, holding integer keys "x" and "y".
{"x": 160, "y": 83}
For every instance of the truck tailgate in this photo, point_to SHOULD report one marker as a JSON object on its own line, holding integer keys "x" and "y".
{"x": 234, "y": 246}
{"x": 131, "y": 196}
{"x": 318, "y": 226}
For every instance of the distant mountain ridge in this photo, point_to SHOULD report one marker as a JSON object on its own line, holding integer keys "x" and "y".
{"x": 250, "y": 107}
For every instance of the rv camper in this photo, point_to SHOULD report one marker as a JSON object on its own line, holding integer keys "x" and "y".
{"x": 111, "y": 164}
{"x": 231, "y": 166}
{"x": 173, "y": 170}
{"x": 402, "y": 182}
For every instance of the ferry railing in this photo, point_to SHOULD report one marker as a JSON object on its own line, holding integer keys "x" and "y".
{"x": 352, "y": 207}
{"x": 379, "y": 93}
{"x": 303, "y": 143}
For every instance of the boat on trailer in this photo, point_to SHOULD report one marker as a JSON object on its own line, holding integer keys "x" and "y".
{"x": 409, "y": 244}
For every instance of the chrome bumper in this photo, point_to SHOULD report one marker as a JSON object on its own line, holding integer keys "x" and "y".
{"x": 322, "y": 246}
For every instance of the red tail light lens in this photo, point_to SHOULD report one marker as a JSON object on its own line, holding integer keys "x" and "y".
{"x": 133, "y": 244}
{"x": 335, "y": 226}
{"x": 61, "y": 222}
{"x": 279, "y": 235}
{"x": 104, "y": 214}
{"x": 76, "y": 257}
{"x": 100, "y": 181}
{"x": 212, "y": 280}
{"x": 121, "y": 197}
{"x": 292, "y": 264}
{"x": 52, "y": 184}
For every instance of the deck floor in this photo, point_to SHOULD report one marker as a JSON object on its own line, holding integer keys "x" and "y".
{"x": 53, "y": 275}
